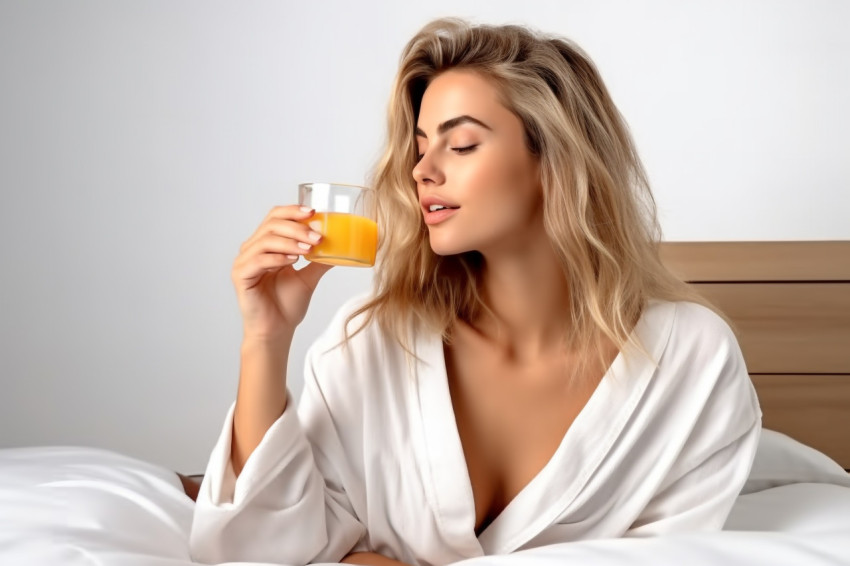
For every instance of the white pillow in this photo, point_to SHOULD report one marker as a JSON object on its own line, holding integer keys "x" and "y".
{"x": 83, "y": 506}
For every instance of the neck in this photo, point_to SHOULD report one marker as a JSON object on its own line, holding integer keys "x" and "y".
{"x": 529, "y": 299}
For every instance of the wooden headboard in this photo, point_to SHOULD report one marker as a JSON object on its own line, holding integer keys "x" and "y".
{"x": 790, "y": 306}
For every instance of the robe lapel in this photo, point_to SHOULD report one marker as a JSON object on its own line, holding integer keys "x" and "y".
{"x": 581, "y": 451}
{"x": 586, "y": 443}
{"x": 450, "y": 487}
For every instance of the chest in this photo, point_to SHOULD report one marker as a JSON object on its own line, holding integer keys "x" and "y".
{"x": 511, "y": 419}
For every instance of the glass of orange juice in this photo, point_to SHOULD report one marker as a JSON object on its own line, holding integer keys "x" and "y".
{"x": 345, "y": 217}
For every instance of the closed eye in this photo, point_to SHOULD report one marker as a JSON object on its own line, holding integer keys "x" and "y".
{"x": 458, "y": 150}
{"x": 463, "y": 150}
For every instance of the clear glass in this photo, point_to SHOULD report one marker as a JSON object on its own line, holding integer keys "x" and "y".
{"x": 345, "y": 217}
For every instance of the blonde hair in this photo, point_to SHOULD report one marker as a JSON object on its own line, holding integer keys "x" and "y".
{"x": 598, "y": 210}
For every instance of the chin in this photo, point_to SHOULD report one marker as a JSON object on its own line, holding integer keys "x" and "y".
{"x": 447, "y": 247}
{"x": 444, "y": 251}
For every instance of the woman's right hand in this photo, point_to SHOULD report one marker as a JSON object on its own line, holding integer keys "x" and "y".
{"x": 273, "y": 296}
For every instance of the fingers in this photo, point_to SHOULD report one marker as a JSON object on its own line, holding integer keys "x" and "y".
{"x": 277, "y": 243}
{"x": 283, "y": 241}
{"x": 290, "y": 211}
{"x": 286, "y": 222}
{"x": 247, "y": 270}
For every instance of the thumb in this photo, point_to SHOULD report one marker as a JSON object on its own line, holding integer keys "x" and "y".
{"x": 311, "y": 273}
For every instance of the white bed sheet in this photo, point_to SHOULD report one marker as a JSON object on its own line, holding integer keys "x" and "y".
{"x": 84, "y": 506}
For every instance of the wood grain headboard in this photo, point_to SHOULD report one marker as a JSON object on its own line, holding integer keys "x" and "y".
{"x": 790, "y": 306}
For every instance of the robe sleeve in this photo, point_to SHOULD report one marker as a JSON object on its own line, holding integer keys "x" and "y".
{"x": 289, "y": 504}
{"x": 714, "y": 461}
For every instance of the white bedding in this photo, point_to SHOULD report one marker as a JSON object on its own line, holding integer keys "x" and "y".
{"x": 83, "y": 506}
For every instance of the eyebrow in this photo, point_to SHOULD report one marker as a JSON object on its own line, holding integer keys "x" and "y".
{"x": 453, "y": 123}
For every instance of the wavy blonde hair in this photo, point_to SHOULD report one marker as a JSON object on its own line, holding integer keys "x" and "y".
{"x": 599, "y": 212}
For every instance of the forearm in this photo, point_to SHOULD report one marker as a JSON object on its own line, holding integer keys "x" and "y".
{"x": 261, "y": 397}
{"x": 371, "y": 559}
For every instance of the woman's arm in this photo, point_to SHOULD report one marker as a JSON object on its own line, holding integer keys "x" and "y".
{"x": 290, "y": 503}
{"x": 261, "y": 397}
{"x": 371, "y": 559}
{"x": 716, "y": 429}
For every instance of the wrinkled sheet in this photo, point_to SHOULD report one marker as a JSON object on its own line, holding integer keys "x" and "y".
{"x": 84, "y": 506}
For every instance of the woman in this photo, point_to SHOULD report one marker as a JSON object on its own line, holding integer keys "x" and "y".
{"x": 526, "y": 371}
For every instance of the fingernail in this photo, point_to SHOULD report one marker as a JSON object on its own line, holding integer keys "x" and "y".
{"x": 292, "y": 256}
{"x": 314, "y": 236}
{"x": 306, "y": 209}
{"x": 304, "y": 246}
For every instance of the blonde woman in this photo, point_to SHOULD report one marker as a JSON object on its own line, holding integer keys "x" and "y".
{"x": 526, "y": 372}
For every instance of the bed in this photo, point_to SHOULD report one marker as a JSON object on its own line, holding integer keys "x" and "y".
{"x": 790, "y": 305}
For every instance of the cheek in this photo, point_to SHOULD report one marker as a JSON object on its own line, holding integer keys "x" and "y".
{"x": 511, "y": 183}
{"x": 497, "y": 171}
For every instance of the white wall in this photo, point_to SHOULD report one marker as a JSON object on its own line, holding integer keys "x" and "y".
{"x": 142, "y": 142}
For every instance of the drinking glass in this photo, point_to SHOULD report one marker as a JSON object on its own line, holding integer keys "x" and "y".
{"x": 345, "y": 217}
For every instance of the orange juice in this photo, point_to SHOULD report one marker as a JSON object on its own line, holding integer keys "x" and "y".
{"x": 348, "y": 239}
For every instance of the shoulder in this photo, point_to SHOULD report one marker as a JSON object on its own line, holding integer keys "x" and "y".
{"x": 702, "y": 357}
{"x": 685, "y": 326}
{"x": 700, "y": 332}
{"x": 699, "y": 320}
{"x": 693, "y": 349}
{"x": 677, "y": 332}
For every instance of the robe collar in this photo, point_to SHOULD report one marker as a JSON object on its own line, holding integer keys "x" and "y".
{"x": 579, "y": 455}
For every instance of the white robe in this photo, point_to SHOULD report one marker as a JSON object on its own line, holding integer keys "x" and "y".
{"x": 371, "y": 458}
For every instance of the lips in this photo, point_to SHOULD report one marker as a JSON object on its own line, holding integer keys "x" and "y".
{"x": 436, "y": 210}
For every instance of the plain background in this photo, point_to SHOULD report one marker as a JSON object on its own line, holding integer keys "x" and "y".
{"x": 141, "y": 142}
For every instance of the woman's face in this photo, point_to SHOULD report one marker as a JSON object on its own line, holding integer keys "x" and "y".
{"x": 474, "y": 162}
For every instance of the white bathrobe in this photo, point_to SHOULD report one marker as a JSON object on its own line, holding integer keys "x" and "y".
{"x": 371, "y": 458}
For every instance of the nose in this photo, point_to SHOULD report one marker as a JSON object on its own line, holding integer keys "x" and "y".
{"x": 427, "y": 171}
